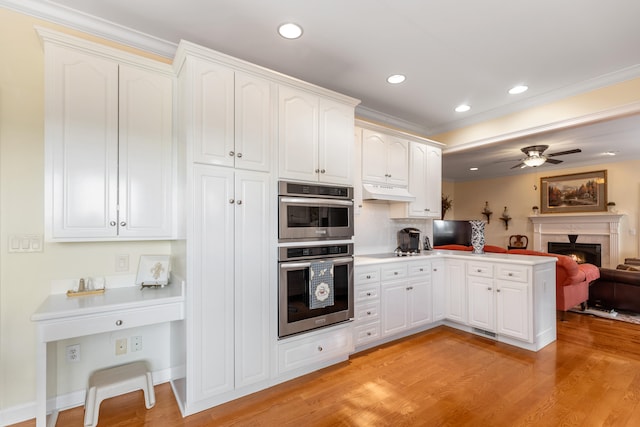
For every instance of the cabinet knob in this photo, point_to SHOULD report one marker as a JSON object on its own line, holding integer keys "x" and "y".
{"x": 488, "y": 289}
{"x": 368, "y": 313}
{"x": 369, "y": 334}
{"x": 478, "y": 271}
{"x": 435, "y": 269}
{"x": 239, "y": 155}
{"x": 322, "y": 171}
{"x": 232, "y": 201}
{"x": 123, "y": 223}
{"x": 239, "y": 202}
{"x": 510, "y": 274}
{"x": 112, "y": 223}
{"x": 409, "y": 288}
{"x": 422, "y": 269}
{"x": 231, "y": 153}
{"x": 395, "y": 273}
{"x": 317, "y": 170}
{"x": 368, "y": 294}
{"x": 368, "y": 276}
{"x": 119, "y": 322}
{"x": 497, "y": 290}
{"x": 320, "y": 348}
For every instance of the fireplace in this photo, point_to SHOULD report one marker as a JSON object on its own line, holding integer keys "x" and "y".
{"x": 590, "y": 253}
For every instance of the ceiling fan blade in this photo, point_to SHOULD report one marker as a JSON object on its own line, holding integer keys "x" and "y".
{"x": 554, "y": 161}
{"x": 562, "y": 153}
{"x": 519, "y": 165}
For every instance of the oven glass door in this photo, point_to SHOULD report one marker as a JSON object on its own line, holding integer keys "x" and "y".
{"x": 311, "y": 218}
{"x": 295, "y": 311}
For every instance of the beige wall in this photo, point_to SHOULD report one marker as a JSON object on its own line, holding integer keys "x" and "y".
{"x": 521, "y": 193}
{"x": 25, "y": 278}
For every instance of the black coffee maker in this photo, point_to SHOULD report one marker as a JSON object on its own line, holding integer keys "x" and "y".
{"x": 409, "y": 240}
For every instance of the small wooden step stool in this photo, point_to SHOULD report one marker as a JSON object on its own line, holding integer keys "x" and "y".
{"x": 115, "y": 381}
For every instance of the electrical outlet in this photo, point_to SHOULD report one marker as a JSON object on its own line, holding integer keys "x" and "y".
{"x": 73, "y": 353}
{"x": 136, "y": 343}
{"x": 121, "y": 346}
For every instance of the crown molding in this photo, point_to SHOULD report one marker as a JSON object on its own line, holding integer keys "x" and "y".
{"x": 91, "y": 25}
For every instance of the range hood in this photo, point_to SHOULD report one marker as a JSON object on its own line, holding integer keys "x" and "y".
{"x": 386, "y": 192}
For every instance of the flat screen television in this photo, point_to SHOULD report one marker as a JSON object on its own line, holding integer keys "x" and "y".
{"x": 451, "y": 232}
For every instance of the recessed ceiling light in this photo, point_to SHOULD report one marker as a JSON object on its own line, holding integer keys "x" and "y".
{"x": 290, "y": 30}
{"x": 462, "y": 108}
{"x": 610, "y": 153}
{"x": 518, "y": 89}
{"x": 473, "y": 169}
{"x": 396, "y": 78}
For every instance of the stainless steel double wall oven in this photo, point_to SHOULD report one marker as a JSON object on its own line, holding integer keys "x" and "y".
{"x": 315, "y": 257}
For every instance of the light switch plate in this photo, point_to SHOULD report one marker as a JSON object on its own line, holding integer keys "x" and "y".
{"x": 23, "y": 243}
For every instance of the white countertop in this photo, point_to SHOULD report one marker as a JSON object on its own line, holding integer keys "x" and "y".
{"x": 369, "y": 259}
{"x": 60, "y": 305}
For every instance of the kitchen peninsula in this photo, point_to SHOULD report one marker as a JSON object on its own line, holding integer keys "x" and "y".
{"x": 510, "y": 298}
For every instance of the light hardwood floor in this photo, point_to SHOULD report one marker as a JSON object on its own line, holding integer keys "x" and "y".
{"x": 442, "y": 377}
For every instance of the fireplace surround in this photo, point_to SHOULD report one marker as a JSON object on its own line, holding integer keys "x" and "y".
{"x": 603, "y": 229}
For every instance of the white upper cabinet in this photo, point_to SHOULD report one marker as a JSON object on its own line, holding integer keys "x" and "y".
{"x": 315, "y": 137}
{"x": 385, "y": 159}
{"x": 425, "y": 183}
{"x": 231, "y": 116}
{"x": 108, "y": 148}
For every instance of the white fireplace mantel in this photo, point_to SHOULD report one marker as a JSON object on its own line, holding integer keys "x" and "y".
{"x": 590, "y": 228}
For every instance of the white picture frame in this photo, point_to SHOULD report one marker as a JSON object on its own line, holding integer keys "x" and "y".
{"x": 153, "y": 270}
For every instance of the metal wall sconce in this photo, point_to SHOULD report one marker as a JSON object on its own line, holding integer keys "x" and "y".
{"x": 487, "y": 212}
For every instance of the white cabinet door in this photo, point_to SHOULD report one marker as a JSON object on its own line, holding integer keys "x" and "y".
{"x": 456, "y": 291}
{"x": 145, "y": 154}
{"x": 419, "y": 301}
{"x": 81, "y": 149}
{"x": 384, "y": 159}
{"x": 418, "y": 157}
{"x": 438, "y": 289}
{"x": 253, "y": 123}
{"x": 298, "y": 134}
{"x": 513, "y": 309}
{"x": 336, "y": 143}
{"x": 397, "y": 161}
{"x": 211, "y": 332}
{"x": 213, "y": 112}
{"x": 394, "y": 307}
{"x": 481, "y": 303}
{"x": 252, "y": 262}
{"x": 374, "y": 157}
{"x": 433, "y": 197}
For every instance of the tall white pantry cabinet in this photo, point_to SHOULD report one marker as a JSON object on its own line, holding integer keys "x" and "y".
{"x": 225, "y": 133}
{"x": 109, "y": 171}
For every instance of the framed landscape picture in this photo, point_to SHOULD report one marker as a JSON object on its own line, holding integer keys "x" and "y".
{"x": 579, "y": 192}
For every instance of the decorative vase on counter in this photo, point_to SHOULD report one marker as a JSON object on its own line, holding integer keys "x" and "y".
{"x": 477, "y": 236}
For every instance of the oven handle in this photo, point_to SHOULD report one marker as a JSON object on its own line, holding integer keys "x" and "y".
{"x": 312, "y": 201}
{"x": 307, "y": 264}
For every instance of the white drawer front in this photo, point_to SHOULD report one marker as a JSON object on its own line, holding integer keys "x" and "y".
{"x": 393, "y": 272}
{"x": 299, "y": 352}
{"x": 366, "y": 275}
{"x": 482, "y": 269}
{"x": 419, "y": 268}
{"x": 95, "y": 324}
{"x": 366, "y": 312}
{"x": 367, "y": 333}
{"x": 367, "y": 293}
{"x": 515, "y": 273}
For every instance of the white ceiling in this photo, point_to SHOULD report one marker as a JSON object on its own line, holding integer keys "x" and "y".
{"x": 452, "y": 52}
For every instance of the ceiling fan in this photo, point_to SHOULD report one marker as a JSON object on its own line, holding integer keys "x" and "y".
{"x": 535, "y": 157}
